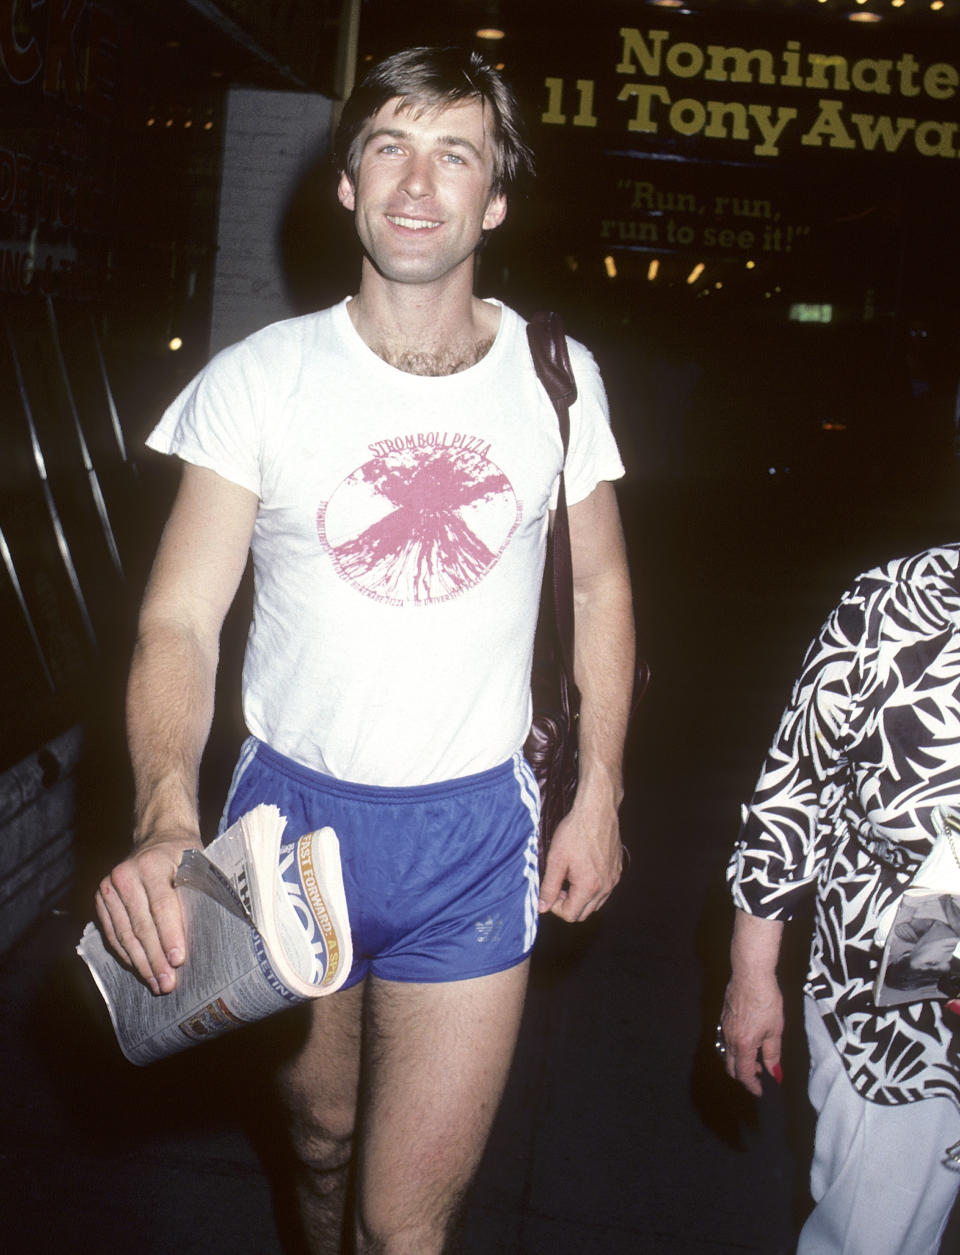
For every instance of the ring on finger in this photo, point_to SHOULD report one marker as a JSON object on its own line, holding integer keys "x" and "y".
{"x": 720, "y": 1042}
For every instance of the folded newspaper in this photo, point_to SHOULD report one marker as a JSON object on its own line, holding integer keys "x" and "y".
{"x": 266, "y": 927}
{"x": 920, "y": 931}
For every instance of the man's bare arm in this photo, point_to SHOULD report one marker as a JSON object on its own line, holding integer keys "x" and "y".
{"x": 586, "y": 849}
{"x": 169, "y": 710}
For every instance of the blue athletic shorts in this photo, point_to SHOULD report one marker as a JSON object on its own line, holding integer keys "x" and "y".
{"x": 441, "y": 879}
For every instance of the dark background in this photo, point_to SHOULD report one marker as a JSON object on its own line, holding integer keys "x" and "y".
{"x": 769, "y": 460}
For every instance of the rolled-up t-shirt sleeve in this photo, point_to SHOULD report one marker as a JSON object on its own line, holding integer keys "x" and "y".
{"x": 593, "y": 456}
{"x": 215, "y": 421}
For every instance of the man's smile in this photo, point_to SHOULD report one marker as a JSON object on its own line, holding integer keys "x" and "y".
{"x": 415, "y": 224}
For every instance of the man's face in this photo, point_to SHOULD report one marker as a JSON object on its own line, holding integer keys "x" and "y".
{"x": 422, "y": 195}
{"x": 934, "y": 950}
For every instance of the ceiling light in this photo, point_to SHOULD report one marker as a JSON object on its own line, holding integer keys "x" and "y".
{"x": 653, "y": 269}
{"x": 490, "y": 32}
{"x": 696, "y": 272}
{"x": 864, "y": 17}
{"x": 610, "y": 266}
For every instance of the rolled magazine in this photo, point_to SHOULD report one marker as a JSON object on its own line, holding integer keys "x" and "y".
{"x": 266, "y": 926}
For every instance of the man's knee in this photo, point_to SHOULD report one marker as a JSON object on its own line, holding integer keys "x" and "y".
{"x": 426, "y": 1220}
{"x": 430, "y": 1227}
{"x": 321, "y": 1143}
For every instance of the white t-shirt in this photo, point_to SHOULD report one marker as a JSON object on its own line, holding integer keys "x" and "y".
{"x": 399, "y": 543}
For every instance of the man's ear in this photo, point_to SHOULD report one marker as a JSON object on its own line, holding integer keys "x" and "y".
{"x": 346, "y": 192}
{"x": 495, "y": 213}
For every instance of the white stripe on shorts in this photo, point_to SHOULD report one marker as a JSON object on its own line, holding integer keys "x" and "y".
{"x": 530, "y": 795}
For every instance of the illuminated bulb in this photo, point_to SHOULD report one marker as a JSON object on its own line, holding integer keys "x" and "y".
{"x": 937, "y": 5}
{"x": 489, "y": 32}
{"x": 610, "y": 266}
{"x": 751, "y": 264}
{"x": 695, "y": 273}
{"x": 653, "y": 269}
{"x": 175, "y": 344}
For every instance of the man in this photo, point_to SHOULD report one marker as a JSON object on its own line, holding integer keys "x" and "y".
{"x": 392, "y": 461}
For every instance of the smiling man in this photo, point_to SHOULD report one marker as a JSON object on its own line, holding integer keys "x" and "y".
{"x": 392, "y": 463}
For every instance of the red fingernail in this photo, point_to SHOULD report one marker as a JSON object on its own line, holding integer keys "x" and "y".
{"x": 777, "y": 1073}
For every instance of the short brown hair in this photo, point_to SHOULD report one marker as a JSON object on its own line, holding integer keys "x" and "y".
{"x": 432, "y": 78}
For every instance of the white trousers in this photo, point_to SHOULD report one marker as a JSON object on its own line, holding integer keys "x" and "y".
{"x": 879, "y": 1178}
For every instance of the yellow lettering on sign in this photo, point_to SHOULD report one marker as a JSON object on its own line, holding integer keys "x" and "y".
{"x": 829, "y": 125}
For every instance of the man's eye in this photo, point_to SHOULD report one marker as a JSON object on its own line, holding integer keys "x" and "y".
{"x": 390, "y": 148}
{"x": 453, "y": 158}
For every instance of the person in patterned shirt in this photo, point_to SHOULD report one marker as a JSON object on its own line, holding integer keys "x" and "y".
{"x": 867, "y": 750}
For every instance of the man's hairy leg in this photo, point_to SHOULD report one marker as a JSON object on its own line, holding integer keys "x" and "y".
{"x": 317, "y": 1093}
{"x": 436, "y": 1061}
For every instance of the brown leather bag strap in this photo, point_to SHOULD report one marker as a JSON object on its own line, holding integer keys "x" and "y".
{"x": 548, "y": 346}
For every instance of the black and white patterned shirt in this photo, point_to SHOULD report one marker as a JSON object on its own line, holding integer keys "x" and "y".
{"x": 867, "y": 749}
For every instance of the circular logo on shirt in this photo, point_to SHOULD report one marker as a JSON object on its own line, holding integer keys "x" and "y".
{"x": 423, "y": 521}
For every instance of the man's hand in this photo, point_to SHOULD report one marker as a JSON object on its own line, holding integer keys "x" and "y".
{"x": 139, "y": 910}
{"x": 752, "y": 1023}
{"x": 584, "y": 863}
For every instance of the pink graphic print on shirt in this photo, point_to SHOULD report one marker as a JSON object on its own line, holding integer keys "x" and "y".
{"x": 424, "y": 520}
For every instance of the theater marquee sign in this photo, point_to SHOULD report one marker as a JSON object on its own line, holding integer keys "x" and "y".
{"x": 769, "y": 100}
{"x": 742, "y": 141}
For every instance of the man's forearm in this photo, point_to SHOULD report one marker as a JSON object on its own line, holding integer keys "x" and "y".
{"x": 604, "y": 671}
{"x": 169, "y": 711}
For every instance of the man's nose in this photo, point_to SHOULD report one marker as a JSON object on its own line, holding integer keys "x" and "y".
{"x": 417, "y": 179}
